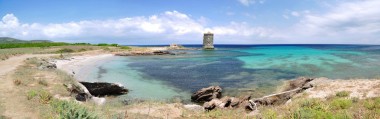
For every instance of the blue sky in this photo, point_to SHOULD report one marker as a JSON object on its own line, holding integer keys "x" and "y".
{"x": 184, "y": 21}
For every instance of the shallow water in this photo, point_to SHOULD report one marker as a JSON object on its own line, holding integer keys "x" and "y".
{"x": 236, "y": 68}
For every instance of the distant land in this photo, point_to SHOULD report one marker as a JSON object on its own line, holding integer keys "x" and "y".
{"x": 14, "y": 40}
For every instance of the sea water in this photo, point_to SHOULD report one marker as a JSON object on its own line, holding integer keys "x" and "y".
{"x": 239, "y": 69}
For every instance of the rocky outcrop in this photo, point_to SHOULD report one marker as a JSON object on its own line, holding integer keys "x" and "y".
{"x": 231, "y": 102}
{"x": 210, "y": 96}
{"x": 295, "y": 87}
{"x": 103, "y": 88}
{"x": 45, "y": 64}
{"x": 298, "y": 83}
{"x": 207, "y": 94}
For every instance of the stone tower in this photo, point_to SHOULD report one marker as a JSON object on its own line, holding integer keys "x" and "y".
{"x": 208, "y": 40}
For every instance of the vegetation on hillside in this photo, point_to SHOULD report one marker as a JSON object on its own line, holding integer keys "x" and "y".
{"x": 13, "y": 40}
{"x": 12, "y": 47}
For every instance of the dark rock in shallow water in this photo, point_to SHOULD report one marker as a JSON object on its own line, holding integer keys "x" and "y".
{"x": 103, "y": 88}
{"x": 207, "y": 94}
{"x": 81, "y": 97}
{"x": 147, "y": 53}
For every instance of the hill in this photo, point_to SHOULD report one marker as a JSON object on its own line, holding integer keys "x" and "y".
{"x": 14, "y": 40}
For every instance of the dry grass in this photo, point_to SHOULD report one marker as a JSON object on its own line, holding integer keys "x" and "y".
{"x": 7, "y": 53}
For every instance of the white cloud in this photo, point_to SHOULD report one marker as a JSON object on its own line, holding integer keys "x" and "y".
{"x": 345, "y": 23}
{"x": 249, "y": 2}
{"x": 163, "y": 28}
{"x": 296, "y": 14}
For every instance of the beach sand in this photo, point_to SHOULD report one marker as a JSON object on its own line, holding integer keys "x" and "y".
{"x": 80, "y": 66}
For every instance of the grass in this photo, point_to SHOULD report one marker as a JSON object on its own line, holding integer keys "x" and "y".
{"x": 43, "y": 82}
{"x": 342, "y": 94}
{"x": 37, "y": 44}
{"x": 31, "y": 94}
{"x": 7, "y": 53}
{"x": 341, "y": 103}
{"x": 38, "y": 87}
{"x": 71, "y": 110}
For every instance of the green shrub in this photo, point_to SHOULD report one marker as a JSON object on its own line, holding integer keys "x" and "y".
{"x": 125, "y": 47}
{"x": 102, "y": 44}
{"x": 308, "y": 113}
{"x": 372, "y": 104}
{"x": 269, "y": 114}
{"x": 312, "y": 103}
{"x": 71, "y": 110}
{"x": 342, "y": 115}
{"x": 115, "y": 45}
{"x": 31, "y": 94}
{"x": 44, "y": 96}
{"x": 65, "y": 50}
{"x": 31, "y": 44}
{"x": 341, "y": 103}
{"x": 342, "y": 94}
{"x": 43, "y": 82}
{"x": 82, "y": 50}
{"x": 106, "y": 49}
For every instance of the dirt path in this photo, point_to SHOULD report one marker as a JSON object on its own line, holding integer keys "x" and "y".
{"x": 10, "y": 100}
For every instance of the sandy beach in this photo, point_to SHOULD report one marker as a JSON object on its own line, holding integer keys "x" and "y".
{"x": 79, "y": 66}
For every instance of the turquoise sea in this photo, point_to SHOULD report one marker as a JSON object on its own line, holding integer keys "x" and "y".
{"x": 238, "y": 69}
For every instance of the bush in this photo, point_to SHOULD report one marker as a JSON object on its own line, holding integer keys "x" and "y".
{"x": 43, "y": 82}
{"x": 341, "y": 103}
{"x": 82, "y": 50}
{"x": 102, "y": 44}
{"x": 372, "y": 104}
{"x": 307, "y": 113}
{"x": 342, "y": 94}
{"x": 44, "y": 96}
{"x": 125, "y": 47}
{"x": 17, "y": 82}
{"x": 71, "y": 110}
{"x": 31, "y": 44}
{"x": 31, "y": 94}
{"x": 65, "y": 50}
{"x": 269, "y": 114}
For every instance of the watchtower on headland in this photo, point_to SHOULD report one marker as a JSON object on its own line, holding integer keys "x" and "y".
{"x": 208, "y": 40}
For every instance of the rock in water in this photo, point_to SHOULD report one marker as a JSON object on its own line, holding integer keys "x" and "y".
{"x": 103, "y": 88}
{"x": 207, "y": 94}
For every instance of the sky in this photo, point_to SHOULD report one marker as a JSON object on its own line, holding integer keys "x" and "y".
{"x": 147, "y": 22}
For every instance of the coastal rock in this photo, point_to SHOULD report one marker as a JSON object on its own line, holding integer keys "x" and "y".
{"x": 146, "y": 53}
{"x": 232, "y": 103}
{"x": 103, "y": 88}
{"x": 207, "y": 94}
{"x": 295, "y": 87}
{"x": 161, "y": 52}
{"x": 45, "y": 64}
{"x": 81, "y": 97}
{"x": 298, "y": 83}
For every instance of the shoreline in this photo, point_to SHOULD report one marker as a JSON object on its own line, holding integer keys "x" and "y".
{"x": 80, "y": 66}
{"x": 325, "y": 89}
{"x": 360, "y": 88}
